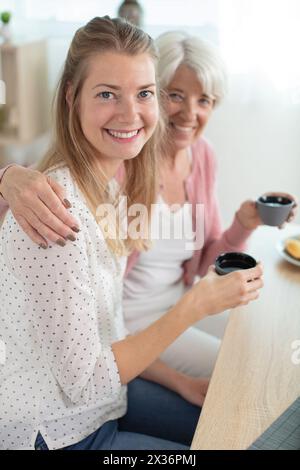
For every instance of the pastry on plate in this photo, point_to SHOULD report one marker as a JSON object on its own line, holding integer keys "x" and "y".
{"x": 292, "y": 247}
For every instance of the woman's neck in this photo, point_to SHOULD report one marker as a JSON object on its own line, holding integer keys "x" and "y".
{"x": 175, "y": 160}
{"x": 174, "y": 170}
{"x": 109, "y": 167}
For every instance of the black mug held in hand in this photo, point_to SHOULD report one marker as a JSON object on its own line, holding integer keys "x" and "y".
{"x": 229, "y": 262}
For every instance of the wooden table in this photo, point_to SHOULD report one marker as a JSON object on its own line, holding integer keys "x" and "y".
{"x": 255, "y": 379}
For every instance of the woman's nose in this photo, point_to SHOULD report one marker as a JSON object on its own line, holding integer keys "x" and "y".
{"x": 190, "y": 111}
{"x": 128, "y": 110}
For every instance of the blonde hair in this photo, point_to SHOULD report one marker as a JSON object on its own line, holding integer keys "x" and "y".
{"x": 179, "y": 48}
{"x": 70, "y": 146}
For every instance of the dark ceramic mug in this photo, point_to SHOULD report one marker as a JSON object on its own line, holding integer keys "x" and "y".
{"x": 274, "y": 210}
{"x": 229, "y": 262}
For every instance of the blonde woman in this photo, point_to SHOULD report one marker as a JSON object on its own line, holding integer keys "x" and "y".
{"x": 69, "y": 356}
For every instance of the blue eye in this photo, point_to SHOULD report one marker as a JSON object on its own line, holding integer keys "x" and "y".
{"x": 105, "y": 95}
{"x": 145, "y": 94}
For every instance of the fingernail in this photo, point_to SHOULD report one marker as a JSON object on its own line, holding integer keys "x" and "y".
{"x": 75, "y": 229}
{"x": 72, "y": 238}
{"x": 67, "y": 203}
{"x": 61, "y": 242}
{"x": 42, "y": 245}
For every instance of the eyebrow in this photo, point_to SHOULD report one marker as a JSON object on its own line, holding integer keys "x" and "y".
{"x": 115, "y": 87}
{"x": 176, "y": 89}
{"x": 204, "y": 95}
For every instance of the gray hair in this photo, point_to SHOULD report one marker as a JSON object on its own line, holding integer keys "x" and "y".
{"x": 179, "y": 48}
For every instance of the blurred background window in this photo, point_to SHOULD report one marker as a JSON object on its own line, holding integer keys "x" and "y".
{"x": 172, "y": 12}
{"x": 68, "y": 10}
{"x": 253, "y": 34}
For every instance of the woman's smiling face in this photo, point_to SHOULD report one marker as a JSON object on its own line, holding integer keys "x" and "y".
{"x": 188, "y": 108}
{"x": 118, "y": 105}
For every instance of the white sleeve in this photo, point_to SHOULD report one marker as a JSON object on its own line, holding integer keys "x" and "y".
{"x": 61, "y": 298}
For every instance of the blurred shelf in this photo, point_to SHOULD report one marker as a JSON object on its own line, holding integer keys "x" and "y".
{"x": 9, "y": 137}
{"x": 24, "y": 72}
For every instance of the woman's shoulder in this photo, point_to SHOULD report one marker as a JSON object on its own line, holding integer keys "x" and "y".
{"x": 62, "y": 175}
{"x": 10, "y": 229}
{"x": 204, "y": 156}
{"x": 202, "y": 148}
{"x": 89, "y": 240}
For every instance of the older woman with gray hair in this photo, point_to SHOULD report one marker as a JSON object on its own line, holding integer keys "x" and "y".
{"x": 193, "y": 78}
{"x": 194, "y": 81}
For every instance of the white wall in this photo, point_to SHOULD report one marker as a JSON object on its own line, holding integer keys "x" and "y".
{"x": 257, "y": 143}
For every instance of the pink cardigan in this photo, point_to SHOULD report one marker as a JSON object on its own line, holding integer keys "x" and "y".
{"x": 200, "y": 188}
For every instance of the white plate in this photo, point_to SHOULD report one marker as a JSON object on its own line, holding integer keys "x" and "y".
{"x": 281, "y": 250}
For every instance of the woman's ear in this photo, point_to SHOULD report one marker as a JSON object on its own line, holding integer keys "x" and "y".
{"x": 69, "y": 94}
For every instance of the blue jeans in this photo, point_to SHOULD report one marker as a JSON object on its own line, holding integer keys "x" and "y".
{"x": 157, "y": 419}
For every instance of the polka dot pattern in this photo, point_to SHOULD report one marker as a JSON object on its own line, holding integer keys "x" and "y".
{"x": 60, "y": 312}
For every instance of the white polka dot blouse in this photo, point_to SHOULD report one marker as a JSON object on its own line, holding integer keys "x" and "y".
{"x": 60, "y": 312}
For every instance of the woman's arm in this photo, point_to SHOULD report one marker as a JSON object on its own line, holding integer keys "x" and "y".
{"x": 3, "y": 203}
{"x": 190, "y": 388}
{"x": 245, "y": 221}
{"x": 38, "y": 204}
{"x": 162, "y": 374}
{"x": 202, "y": 190}
{"x": 212, "y": 294}
{"x": 57, "y": 281}
{"x": 3, "y": 208}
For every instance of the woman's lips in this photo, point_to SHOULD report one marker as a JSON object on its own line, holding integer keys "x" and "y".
{"x": 181, "y": 128}
{"x": 123, "y": 136}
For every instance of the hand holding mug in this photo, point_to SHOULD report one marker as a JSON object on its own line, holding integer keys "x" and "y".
{"x": 281, "y": 207}
{"x": 276, "y": 209}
